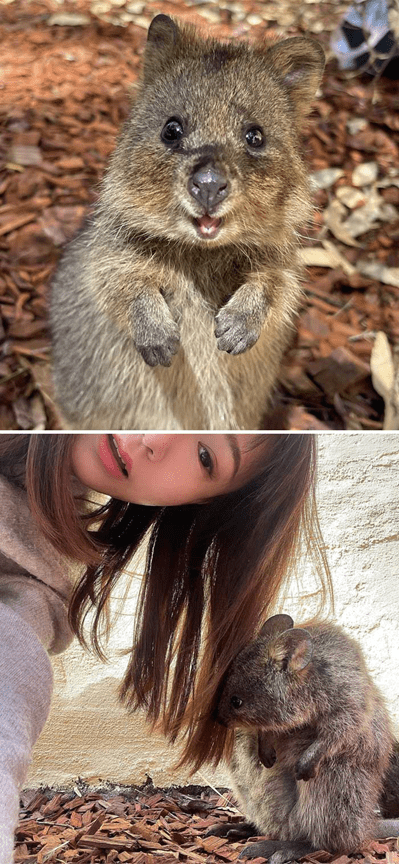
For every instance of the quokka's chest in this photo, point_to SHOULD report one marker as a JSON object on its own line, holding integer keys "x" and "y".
{"x": 204, "y": 286}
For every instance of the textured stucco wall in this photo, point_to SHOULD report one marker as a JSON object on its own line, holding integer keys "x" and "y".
{"x": 89, "y": 736}
{"x": 359, "y": 494}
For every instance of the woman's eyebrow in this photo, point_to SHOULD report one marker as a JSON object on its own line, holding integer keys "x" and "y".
{"x": 235, "y": 450}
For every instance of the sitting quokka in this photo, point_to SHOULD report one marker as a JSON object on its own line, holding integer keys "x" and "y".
{"x": 312, "y": 742}
{"x": 173, "y": 306}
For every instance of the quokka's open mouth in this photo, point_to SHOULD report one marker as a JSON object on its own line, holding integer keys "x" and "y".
{"x": 207, "y": 226}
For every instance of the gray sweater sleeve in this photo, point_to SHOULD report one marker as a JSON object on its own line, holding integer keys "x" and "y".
{"x": 35, "y": 587}
{"x": 25, "y": 694}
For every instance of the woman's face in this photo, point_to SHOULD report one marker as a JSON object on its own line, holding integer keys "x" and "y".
{"x": 164, "y": 469}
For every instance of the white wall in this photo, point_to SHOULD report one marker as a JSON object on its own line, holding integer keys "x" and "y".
{"x": 359, "y": 494}
{"x": 90, "y": 735}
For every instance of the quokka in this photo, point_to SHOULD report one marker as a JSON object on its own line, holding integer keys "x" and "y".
{"x": 312, "y": 742}
{"x": 172, "y": 308}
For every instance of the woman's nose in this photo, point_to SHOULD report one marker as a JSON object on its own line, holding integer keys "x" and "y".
{"x": 158, "y": 445}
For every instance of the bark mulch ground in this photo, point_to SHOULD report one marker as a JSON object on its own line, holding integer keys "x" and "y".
{"x": 143, "y": 827}
{"x": 65, "y": 72}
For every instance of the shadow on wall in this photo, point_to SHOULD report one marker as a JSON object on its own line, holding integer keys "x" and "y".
{"x": 94, "y": 738}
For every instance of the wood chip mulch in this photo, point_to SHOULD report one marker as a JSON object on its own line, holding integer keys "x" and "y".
{"x": 145, "y": 826}
{"x": 65, "y": 72}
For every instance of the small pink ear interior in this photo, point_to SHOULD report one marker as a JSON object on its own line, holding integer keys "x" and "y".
{"x": 298, "y": 63}
{"x": 302, "y": 655}
{"x": 293, "y": 647}
{"x": 294, "y": 77}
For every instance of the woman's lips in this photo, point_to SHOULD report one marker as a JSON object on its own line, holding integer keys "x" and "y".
{"x": 110, "y": 458}
{"x": 122, "y": 442}
{"x": 115, "y": 449}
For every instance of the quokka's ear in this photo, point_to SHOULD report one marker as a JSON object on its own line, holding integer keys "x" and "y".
{"x": 292, "y": 650}
{"x": 298, "y": 63}
{"x": 162, "y": 38}
{"x": 275, "y": 625}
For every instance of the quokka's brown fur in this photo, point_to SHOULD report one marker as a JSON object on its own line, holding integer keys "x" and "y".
{"x": 312, "y": 741}
{"x": 173, "y": 306}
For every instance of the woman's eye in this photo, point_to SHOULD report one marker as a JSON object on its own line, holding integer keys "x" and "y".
{"x": 254, "y": 137}
{"x": 172, "y": 131}
{"x": 205, "y": 459}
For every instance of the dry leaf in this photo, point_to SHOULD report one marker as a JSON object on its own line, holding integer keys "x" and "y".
{"x": 334, "y": 216}
{"x": 375, "y": 270}
{"x": 315, "y": 256}
{"x": 325, "y": 178}
{"x": 365, "y": 174}
{"x": 383, "y": 378}
{"x": 374, "y": 210}
{"x": 350, "y": 197}
{"x": 68, "y": 19}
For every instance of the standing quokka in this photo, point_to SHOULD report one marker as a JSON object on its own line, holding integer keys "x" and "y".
{"x": 312, "y": 742}
{"x": 173, "y": 306}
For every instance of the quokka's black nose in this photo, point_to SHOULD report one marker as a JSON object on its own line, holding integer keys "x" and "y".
{"x": 208, "y": 186}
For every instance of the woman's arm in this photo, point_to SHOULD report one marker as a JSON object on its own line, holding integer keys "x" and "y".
{"x": 25, "y": 694}
{"x": 32, "y": 619}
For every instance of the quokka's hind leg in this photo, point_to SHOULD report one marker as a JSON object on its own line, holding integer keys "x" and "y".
{"x": 277, "y": 851}
{"x": 260, "y": 849}
{"x": 291, "y": 851}
{"x": 387, "y": 828}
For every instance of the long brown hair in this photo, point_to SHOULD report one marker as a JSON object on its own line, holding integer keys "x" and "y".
{"x": 213, "y": 571}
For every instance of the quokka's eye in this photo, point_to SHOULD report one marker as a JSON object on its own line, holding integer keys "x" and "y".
{"x": 254, "y": 137}
{"x": 172, "y": 131}
{"x": 236, "y": 701}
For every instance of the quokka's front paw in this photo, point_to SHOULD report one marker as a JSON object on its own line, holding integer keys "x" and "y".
{"x": 155, "y": 333}
{"x": 308, "y": 763}
{"x": 232, "y": 830}
{"x": 305, "y": 768}
{"x": 160, "y": 347}
{"x": 237, "y": 329}
{"x": 266, "y": 752}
